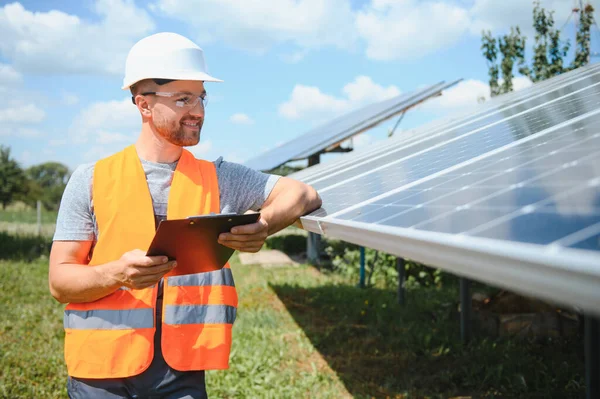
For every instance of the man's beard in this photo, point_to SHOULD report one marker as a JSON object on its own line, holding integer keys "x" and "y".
{"x": 175, "y": 133}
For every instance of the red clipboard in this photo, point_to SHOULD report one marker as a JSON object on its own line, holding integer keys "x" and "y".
{"x": 192, "y": 242}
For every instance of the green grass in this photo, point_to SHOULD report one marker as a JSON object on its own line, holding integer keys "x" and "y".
{"x": 381, "y": 349}
{"x": 305, "y": 334}
{"x": 27, "y": 216}
{"x": 31, "y": 334}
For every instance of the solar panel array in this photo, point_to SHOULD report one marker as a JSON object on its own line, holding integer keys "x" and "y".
{"x": 342, "y": 128}
{"x": 508, "y": 194}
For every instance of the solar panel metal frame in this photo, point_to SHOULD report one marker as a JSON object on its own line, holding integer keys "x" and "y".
{"x": 332, "y": 134}
{"x": 569, "y": 276}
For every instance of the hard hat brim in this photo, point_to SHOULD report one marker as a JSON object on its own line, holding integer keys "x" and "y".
{"x": 200, "y": 76}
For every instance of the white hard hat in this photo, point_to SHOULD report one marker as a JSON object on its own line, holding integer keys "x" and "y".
{"x": 165, "y": 56}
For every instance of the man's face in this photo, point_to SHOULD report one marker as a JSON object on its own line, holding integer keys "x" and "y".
{"x": 179, "y": 125}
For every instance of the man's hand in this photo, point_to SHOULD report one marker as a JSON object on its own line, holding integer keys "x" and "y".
{"x": 135, "y": 270}
{"x": 246, "y": 238}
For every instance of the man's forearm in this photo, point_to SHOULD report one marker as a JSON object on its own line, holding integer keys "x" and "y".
{"x": 288, "y": 206}
{"x": 75, "y": 283}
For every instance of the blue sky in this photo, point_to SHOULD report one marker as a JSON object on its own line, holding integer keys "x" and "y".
{"x": 287, "y": 66}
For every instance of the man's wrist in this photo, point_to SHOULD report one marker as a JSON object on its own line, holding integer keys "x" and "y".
{"x": 109, "y": 274}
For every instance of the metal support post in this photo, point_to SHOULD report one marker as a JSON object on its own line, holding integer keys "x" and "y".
{"x": 313, "y": 241}
{"x": 313, "y": 249}
{"x": 592, "y": 357}
{"x": 400, "y": 264}
{"x": 465, "y": 310}
{"x": 361, "y": 282}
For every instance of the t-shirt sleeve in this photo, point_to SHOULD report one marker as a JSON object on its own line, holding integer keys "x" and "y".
{"x": 242, "y": 188}
{"x": 75, "y": 221}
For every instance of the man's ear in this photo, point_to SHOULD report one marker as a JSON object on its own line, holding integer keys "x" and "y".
{"x": 143, "y": 105}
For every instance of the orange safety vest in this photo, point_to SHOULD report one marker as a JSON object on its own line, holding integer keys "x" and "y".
{"x": 113, "y": 337}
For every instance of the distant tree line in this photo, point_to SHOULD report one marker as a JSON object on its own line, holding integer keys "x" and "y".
{"x": 44, "y": 182}
{"x": 549, "y": 50}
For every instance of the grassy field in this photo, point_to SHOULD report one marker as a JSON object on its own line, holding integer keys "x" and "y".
{"x": 301, "y": 333}
{"x": 19, "y": 219}
{"x": 17, "y": 214}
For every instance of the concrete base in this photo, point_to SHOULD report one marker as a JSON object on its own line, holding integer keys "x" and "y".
{"x": 267, "y": 258}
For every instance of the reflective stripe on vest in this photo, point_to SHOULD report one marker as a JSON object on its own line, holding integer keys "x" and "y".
{"x": 218, "y": 277}
{"x": 113, "y": 337}
{"x": 101, "y": 319}
{"x": 199, "y": 314}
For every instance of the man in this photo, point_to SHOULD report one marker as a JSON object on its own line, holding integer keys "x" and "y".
{"x": 132, "y": 330}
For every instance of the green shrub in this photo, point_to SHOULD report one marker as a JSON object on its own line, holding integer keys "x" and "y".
{"x": 291, "y": 244}
{"x": 380, "y": 268}
{"x": 23, "y": 247}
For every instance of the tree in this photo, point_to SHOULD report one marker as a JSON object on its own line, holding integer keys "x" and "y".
{"x": 490, "y": 52}
{"x": 582, "y": 53}
{"x": 12, "y": 178}
{"x": 47, "y": 183}
{"x": 512, "y": 47}
{"x": 549, "y": 50}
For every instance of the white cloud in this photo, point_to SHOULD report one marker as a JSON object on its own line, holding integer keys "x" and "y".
{"x": 521, "y": 82}
{"x": 107, "y": 116}
{"x": 19, "y": 132}
{"x": 104, "y": 137}
{"x": 363, "y": 90}
{"x": 26, "y": 158}
{"x": 305, "y": 100}
{"x": 29, "y": 114}
{"x": 102, "y": 117}
{"x": 235, "y": 157}
{"x": 241, "y": 119}
{"x": 465, "y": 94}
{"x": 201, "y": 149}
{"x": 409, "y": 29}
{"x": 500, "y": 15}
{"x": 97, "y": 152}
{"x": 362, "y": 140}
{"x": 259, "y": 25}
{"x": 468, "y": 93}
{"x": 70, "y": 98}
{"x": 309, "y": 101}
{"x": 57, "y": 42}
{"x": 8, "y": 75}
{"x": 57, "y": 142}
{"x": 294, "y": 57}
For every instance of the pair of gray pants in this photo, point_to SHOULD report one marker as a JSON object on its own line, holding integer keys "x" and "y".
{"x": 120, "y": 388}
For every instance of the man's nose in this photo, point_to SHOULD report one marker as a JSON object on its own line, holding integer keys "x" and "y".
{"x": 197, "y": 110}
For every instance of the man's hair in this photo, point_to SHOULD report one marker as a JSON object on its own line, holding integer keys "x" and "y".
{"x": 138, "y": 87}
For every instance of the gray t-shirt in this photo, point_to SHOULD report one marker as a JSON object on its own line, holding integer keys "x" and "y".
{"x": 240, "y": 189}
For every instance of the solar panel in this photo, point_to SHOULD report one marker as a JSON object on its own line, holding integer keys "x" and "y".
{"x": 312, "y": 175}
{"x": 510, "y": 194}
{"x": 341, "y": 128}
{"x": 433, "y": 154}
